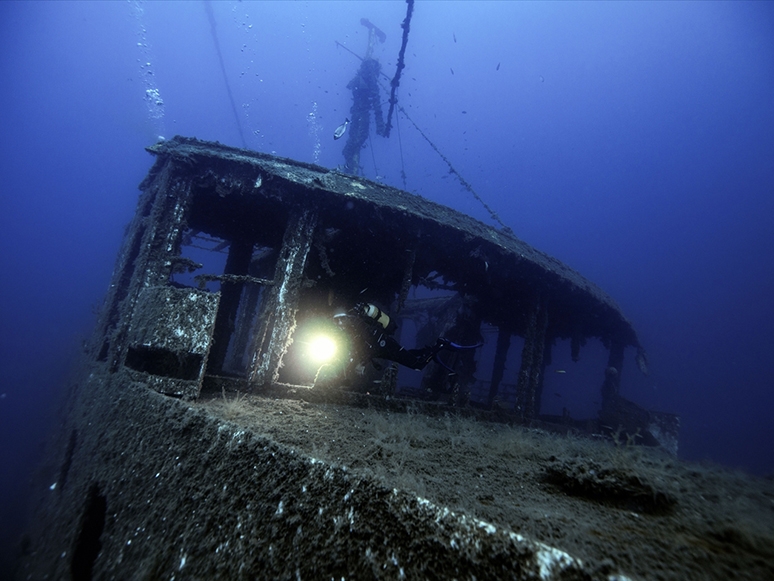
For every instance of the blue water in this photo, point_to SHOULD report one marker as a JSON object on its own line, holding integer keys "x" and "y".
{"x": 633, "y": 141}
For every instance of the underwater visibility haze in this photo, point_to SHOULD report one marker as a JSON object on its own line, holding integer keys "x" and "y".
{"x": 633, "y": 141}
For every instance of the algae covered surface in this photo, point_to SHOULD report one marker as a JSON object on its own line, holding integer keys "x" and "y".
{"x": 615, "y": 507}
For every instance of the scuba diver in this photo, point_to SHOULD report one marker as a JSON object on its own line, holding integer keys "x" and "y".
{"x": 370, "y": 333}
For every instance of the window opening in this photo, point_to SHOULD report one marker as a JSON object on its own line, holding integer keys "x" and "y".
{"x": 431, "y": 312}
{"x": 573, "y": 388}
{"x": 164, "y": 363}
{"x": 246, "y": 322}
{"x": 200, "y": 254}
{"x": 506, "y": 391}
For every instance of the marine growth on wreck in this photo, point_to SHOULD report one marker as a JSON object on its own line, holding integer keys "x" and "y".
{"x": 236, "y": 261}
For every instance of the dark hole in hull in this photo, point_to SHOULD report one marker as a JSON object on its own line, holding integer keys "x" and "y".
{"x": 165, "y": 363}
{"x": 88, "y": 545}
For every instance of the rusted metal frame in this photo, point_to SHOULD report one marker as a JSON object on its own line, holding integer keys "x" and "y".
{"x": 203, "y": 279}
{"x": 277, "y": 320}
{"x": 102, "y": 346}
{"x": 162, "y": 229}
{"x": 165, "y": 234}
{"x": 530, "y": 384}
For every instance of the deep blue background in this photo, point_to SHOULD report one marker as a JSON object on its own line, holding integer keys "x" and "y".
{"x": 633, "y": 141}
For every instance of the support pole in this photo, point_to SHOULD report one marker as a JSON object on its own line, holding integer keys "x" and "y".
{"x": 528, "y": 391}
{"x": 612, "y": 383}
{"x": 278, "y": 313}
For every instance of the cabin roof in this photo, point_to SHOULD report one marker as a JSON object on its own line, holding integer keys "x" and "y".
{"x": 495, "y": 265}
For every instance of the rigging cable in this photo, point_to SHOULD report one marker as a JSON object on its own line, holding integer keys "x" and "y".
{"x": 454, "y": 172}
{"x": 214, "y": 32}
{"x": 400, "y": 148}
{"x": 465, "y": 184}
{"x": 373, "y": 157}
{"x": 396, "y": 79}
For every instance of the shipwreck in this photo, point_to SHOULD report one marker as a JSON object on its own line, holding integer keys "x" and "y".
{"x": 295, "y": 239}
{"x": 231, "y": 258}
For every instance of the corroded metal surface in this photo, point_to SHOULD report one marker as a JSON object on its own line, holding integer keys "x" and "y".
{"x": 170, "y": 337}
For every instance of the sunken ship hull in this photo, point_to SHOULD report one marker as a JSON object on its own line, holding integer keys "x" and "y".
{"x": 145, "y": 482}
